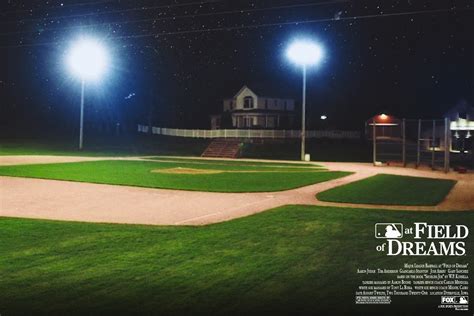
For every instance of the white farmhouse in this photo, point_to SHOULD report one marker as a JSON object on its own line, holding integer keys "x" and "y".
{"x": 248, "y": 109}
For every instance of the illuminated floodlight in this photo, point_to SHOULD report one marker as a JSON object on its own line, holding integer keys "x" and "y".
{"x": 88, "y": 59}
{"x": 305, "y": 52}
{"x": 323, "y": 117}
{"x": 383, "y": 116}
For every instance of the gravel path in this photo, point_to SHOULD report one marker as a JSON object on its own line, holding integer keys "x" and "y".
{"x": 64, "y": 200}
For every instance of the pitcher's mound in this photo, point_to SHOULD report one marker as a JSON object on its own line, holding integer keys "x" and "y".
{"x": 180, "y": 170}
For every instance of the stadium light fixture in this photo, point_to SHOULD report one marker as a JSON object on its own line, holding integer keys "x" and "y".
{"x": 88, "y": 60}
{"x": 305, "y": 53}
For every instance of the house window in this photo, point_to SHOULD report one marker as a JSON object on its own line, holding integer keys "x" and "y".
{"x": 240, "y": 121}
{"x": 275, "y": 103}
{"x": 285, "y": 105}
{"x": 270, "y": 122}
{"x": 248, "y": 103}
{"x": 248, "y": 120}
{"x": 266, "y": 103}
{"x": 231, "y": 104}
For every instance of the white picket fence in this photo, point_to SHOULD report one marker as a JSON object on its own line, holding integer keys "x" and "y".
{"x": 248, "y": 133}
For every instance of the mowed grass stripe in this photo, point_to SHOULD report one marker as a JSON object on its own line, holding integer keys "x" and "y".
{"x": 291, "y": 260}
{"x": 139, "y": 173}
{"x": 390, "y": 190}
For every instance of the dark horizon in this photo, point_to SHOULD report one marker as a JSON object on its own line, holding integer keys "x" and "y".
{"x": 179, "y": 63}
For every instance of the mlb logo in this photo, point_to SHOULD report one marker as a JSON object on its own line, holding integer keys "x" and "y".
{"x": 388, "y": 230}
{"x": 462, "y": 300}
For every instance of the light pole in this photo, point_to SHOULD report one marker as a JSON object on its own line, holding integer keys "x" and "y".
{"x": 88, "y": 60}
{"x": 304, "y": 53}
{"x": 81, "y": 120}
{"x": 303, "y": 116}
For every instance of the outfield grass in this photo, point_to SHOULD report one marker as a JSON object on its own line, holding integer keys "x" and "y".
{"x": 140, "y": 145}
{"x": 236, "y": 162}
{"x": 236, "y": 178}
{"x": 137, "y": 145}
{"x": 390, "y": 190}
{"x": 320, "y": 150}
{"x": 28, "y": 149}
{"x": 291, "y": 260}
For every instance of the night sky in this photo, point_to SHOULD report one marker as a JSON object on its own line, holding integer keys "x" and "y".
{"x": 178, "y": 59}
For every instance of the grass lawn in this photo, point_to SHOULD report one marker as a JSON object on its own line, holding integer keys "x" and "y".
{"x": 237, "y": 162}
{"x": 290, "y": 260}
{"x": 105, "y": 146}
{"x": 320, "y": 150}
{"x": 139, "y": 145}
{"x": 27, "y": 149}
{"x": 236, "y": 178}
{"x": 390, "y": 190}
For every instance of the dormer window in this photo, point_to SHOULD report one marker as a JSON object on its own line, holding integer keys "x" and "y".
{"x": 248, "y": 103}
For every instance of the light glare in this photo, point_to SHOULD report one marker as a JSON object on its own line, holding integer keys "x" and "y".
{"x": 305, "y": 53}
{"x": 88, "y": 59}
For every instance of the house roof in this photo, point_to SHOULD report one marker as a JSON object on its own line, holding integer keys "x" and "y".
{"x": 263, "y": 92}
{"x": 262, "y": 111}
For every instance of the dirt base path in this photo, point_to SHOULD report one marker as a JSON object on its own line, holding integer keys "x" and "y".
{"x": 64, "y": 200}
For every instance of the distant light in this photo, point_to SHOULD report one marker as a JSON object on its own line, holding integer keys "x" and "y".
{"x": 130, "y": 95}
{"x": 383, "y": 116}
{"x": 88, "y": 59}
{"x": 305, "y": 52}
{"x": 323, "y": 117}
